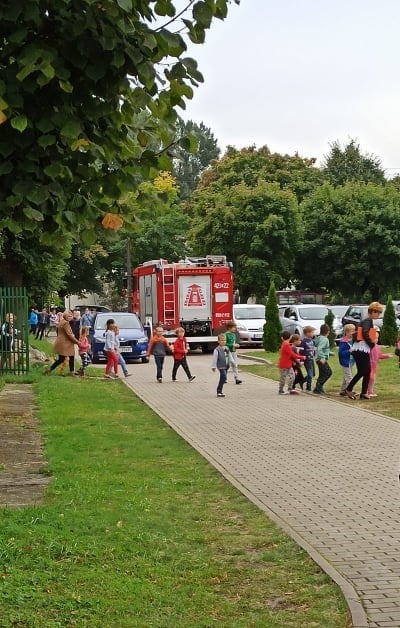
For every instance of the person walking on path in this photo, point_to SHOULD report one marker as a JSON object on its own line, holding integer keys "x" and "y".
{"x": 346, "y": 360}
{"x": 110, "y": 349}
{"x": 180, "y": 350}
{"x": 308, "y": 347}
{"x": 83, "y": 348}
{"x": 322, "y": 353}
{"x": 64, "y": 345}
{"x": 375, "y": 355}
{"x": 43, "y": 321}
{"x": 33, "y": 321}
{"x": 222, "y": 358}
{"x": 232, "y": 344}
{"x": 285, "y": 365}
{"x": 121, "y": 360}
{"x": 366, "y": 338}
{"x": 52, "y": 322}
{"x": 158, "y": 347}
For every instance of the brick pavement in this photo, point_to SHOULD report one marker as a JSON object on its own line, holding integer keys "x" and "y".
{"x": 326, "y": 472}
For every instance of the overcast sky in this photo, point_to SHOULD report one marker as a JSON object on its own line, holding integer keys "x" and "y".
{"x": 297, "y": 75}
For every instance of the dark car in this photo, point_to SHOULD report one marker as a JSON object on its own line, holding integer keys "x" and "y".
{"x": 356, "y": 313}
{"x": 132, "y": 336}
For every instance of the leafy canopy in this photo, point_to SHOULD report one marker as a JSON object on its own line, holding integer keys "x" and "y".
{"x": 88, "y": 98}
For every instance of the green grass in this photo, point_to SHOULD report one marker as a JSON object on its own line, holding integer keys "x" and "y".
{"x": 386, "y": 383}
{"x": 137, "y": 529}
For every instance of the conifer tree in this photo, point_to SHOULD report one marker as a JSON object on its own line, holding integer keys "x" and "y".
{"x": 389, "y": 329}
{"x": 272, "y": 327}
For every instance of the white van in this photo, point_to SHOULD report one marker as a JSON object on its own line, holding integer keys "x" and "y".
{"x": 250, "y": 320}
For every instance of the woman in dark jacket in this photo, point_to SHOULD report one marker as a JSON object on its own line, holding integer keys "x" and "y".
{"x": 366, "y": 338}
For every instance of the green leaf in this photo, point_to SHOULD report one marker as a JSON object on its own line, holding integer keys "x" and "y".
{"x": 46, "y": 140}
{"x": 33, "y": 214}
{"x": 54, "y": 170}
{"x": 88, "y": 237}
{"x": 3, "y": 104}
{"x": 6, "y": 167}
{"x": 38, "y": 194}
{"x": 19, "y": 123}
{"x": 126, "y": 5}
{"x": 66, "y": 86}
{"x": 71, "y": 129}
{"x": 202, "y": 13}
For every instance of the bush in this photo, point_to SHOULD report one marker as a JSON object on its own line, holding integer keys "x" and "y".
{"x": 329, "y": 318}
{"x": 389, "y": 332}
{"x": 272, "y": 328}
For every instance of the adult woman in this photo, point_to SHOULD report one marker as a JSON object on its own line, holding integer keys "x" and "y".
{"x": 64, "y": 344}
{"x": 366, "y": 338}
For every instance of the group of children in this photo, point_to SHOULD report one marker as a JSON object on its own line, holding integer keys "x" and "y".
{"x": 295, "y": 352}
{"x": 224, "y": 355}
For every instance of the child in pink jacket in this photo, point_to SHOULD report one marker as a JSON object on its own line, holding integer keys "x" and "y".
{"x": 375, "y": 355}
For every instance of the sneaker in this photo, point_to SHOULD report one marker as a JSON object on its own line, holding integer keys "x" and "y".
{"x": 317, "y": 392}
{"x": 220, "y": 395}
{"x": 192, "y": 378}
{"x": 283, "y": 392}
{"x": 238, "y": 381}
{"x": 294, "y": 392}
{"x": 174, "y": 380}
{"x": 159, "y": 380}
{"x": 128, "y": 374}
{"x": 107, "y": 376}
{"x": 342, "y": 393}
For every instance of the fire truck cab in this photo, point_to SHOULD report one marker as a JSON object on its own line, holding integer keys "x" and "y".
{"x": 195, "y": 293}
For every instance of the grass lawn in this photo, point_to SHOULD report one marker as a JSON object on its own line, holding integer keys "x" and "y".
{"x": 387, "y": 383}
{"x": 138, "y": 530}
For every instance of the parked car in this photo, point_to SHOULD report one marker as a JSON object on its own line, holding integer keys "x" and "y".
{"x": 304, "y": 314}
{"x": 92, "y": 308}
{"x": 338, "y": 312}
{"x": 356, "y": 313}
{"x": 250, "y": 321}
{"x": 133, "y": 338}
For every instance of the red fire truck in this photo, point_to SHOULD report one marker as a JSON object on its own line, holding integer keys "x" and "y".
{"x": 196, "y": 294}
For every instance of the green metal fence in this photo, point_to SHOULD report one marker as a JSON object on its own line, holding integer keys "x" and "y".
{"x": 14, "y": 331}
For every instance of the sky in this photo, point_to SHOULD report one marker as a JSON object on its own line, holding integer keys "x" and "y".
{"x": 297, "y": 75}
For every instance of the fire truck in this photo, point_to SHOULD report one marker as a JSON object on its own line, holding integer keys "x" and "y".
{"x": 196, "y": 294}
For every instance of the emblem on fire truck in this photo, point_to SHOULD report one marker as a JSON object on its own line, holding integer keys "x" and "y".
{"x": 194, "y": 296}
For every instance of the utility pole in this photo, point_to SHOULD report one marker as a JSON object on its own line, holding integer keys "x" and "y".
{"x": 129, "y": 274}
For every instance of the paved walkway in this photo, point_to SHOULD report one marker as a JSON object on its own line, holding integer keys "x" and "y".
{"x": 325, "y": 471}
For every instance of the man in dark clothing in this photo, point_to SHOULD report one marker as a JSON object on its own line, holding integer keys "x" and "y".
{"x": 43, "y": 321}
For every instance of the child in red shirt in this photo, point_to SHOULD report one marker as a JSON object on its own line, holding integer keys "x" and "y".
{"x": 285, "y": 364}
{"x": 180, "y": 349}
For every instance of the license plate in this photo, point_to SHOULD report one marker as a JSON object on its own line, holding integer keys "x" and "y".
{"x": 125, "y": 349}
{"x": 258, "y": 336}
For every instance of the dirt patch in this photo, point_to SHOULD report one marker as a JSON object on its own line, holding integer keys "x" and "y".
{"x": 21, "y": 455}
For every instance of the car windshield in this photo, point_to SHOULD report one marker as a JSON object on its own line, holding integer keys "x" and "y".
{"x": 246, "y": 313}
{"x": 339, "y": 310}
{"x": 124, "y": 321}
{"x": 313, "y": 313}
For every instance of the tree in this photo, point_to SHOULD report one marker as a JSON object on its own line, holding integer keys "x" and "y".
{"x": 329, "y": 318}
{"x": 350, "y": 164}
{"x": 258, "y": 228}
{"x": 251, "y": 166}
{"x": 188, "y": 166}
{"x": 272, "y": 328}
{"x": 351, "y": 243}
{"x": 88, "y": 98}
{"x": 389, "y": 331}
